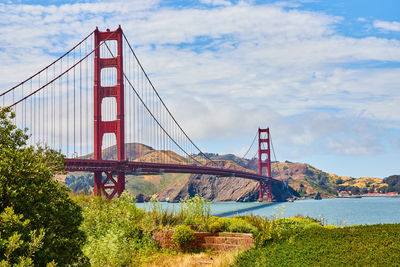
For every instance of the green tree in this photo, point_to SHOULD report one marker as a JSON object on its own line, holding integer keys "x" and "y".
{"x": 16, "y": 243}
{"x": 27, "y": 185}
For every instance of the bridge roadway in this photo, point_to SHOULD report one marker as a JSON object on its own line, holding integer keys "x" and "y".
{"x": 133, "y": 167}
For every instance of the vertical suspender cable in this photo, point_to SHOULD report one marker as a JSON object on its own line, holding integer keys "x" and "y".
{"x": 60, "y": 110}
{"x": 80, "y": 103}
{"x": 53, "y": 108}
{"x": 74, "y": 107}
{"x": 38, "y": 137}
{"x": 87, "y": 100}
{"x": 47, "y": 108}
{"x": 67, "y": 107}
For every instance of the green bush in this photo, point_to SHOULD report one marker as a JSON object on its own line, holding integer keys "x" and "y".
{"x": 224, "y": 222}
{"x": 196, "y": 207}
{"x": 313, "y": 226}
{"x": 183, "y": 236}
{"x": 215, "y": 227}
{"x": 27, "y": 185}
{"x": 283, "y": 228}
{"x": 257, "y": 221}
{"x": 115, "y": 233}
{"x": 17, "y": 244}
{"x": 197, "y": 223}
{"x": 331, "y": 227}
{"x": 238, "y": 225}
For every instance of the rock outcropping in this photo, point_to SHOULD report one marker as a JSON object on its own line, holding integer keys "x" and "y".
{"x": 222, "y": 188}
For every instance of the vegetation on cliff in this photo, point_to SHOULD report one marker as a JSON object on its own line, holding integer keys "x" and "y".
{"x": 393, "y": 183}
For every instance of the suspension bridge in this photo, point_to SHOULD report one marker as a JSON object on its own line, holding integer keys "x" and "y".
{"x": 97, "y": 105}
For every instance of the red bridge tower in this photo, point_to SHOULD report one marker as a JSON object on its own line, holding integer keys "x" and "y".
{"x": 264, "y": 138}
{"x": 114, "y": 181}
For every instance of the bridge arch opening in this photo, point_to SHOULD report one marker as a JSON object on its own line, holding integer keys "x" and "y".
{"x": 109, "y": 49}
{"x": 108, "y": 77}
{"x": 109, "y": 109}
{"x": 108, "y": 147}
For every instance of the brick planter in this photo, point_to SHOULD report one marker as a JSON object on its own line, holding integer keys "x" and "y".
{"x": 215, "y": 241}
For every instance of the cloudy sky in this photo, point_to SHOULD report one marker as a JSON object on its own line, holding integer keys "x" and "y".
{"x": 323, "y": 75}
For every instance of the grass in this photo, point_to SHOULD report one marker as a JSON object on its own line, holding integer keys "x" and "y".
{"x": 190, "y": 259}
{"x": 373, "y": 245}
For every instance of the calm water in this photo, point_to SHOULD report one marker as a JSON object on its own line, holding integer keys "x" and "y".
{"x": 337, "y": 211}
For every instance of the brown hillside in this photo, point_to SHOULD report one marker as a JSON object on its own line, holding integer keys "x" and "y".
{"x": 132, "y": 151}
{"x": 162, "y": 156}
{"x": 220, "y": 188}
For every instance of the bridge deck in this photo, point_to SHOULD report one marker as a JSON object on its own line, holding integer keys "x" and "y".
{"x": 133, "y": 167}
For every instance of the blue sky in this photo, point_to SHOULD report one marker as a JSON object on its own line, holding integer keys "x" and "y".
{"x": 324, "y": 75}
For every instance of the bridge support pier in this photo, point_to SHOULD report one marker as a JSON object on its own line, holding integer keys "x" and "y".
{"x": 265, "y": 189}
{"x": 113, "y": 184}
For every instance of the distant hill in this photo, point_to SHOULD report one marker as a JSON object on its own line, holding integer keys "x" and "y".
{"x": 305, "y": 179}
{"x": 308, "y": 180}
{"x": 393, "y": 183}
{"x": 133, "y": 150}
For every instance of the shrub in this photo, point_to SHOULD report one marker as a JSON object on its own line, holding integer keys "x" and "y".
{"x": 215, "y": 227}
{"x": 115, "y": 234}
{"x": 183, "y": 236}
{"x": 312, "y": 226}
{"x": 257, "y": 221}
{"x": 223, "y": 222}
{"x": 238, "y": 225}
{"x": 17, "y": 246}
{"x": 331, "y": 227}
{"x": 284, "y": 228}
{"x": 27, "y": 185}
{"x": 197, "y": 223}
{"x": 196, "y": 206}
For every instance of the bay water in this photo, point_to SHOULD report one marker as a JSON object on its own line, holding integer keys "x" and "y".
{"x": 336, "y": 211}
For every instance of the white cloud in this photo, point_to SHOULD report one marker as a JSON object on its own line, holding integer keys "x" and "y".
{"x": 226, "y": 70}
{"x": 216, "y": 2}
{"x": 387, "y": 25}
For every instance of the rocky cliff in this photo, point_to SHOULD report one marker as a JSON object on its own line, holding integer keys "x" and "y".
{"x": 222, "y": 188}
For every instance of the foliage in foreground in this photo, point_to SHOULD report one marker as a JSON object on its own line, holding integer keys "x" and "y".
{"x": 183, "y": 236}
{"x": 120, "y": 234}
{"x": 18, "y": 244}
{"x": 368, "y": 245}
{"x": 29, "y": 196}
{"x": 116, "y": 236}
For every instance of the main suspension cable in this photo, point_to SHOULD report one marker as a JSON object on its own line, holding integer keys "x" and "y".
{"x": 45, "y": 68}
{"x": 66, "y": 71}
{"x": 252, "y": 143}
{"x": 148, "y": 109}
{"x": 165, "y": 106}
{"x": 273, "y": 151}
